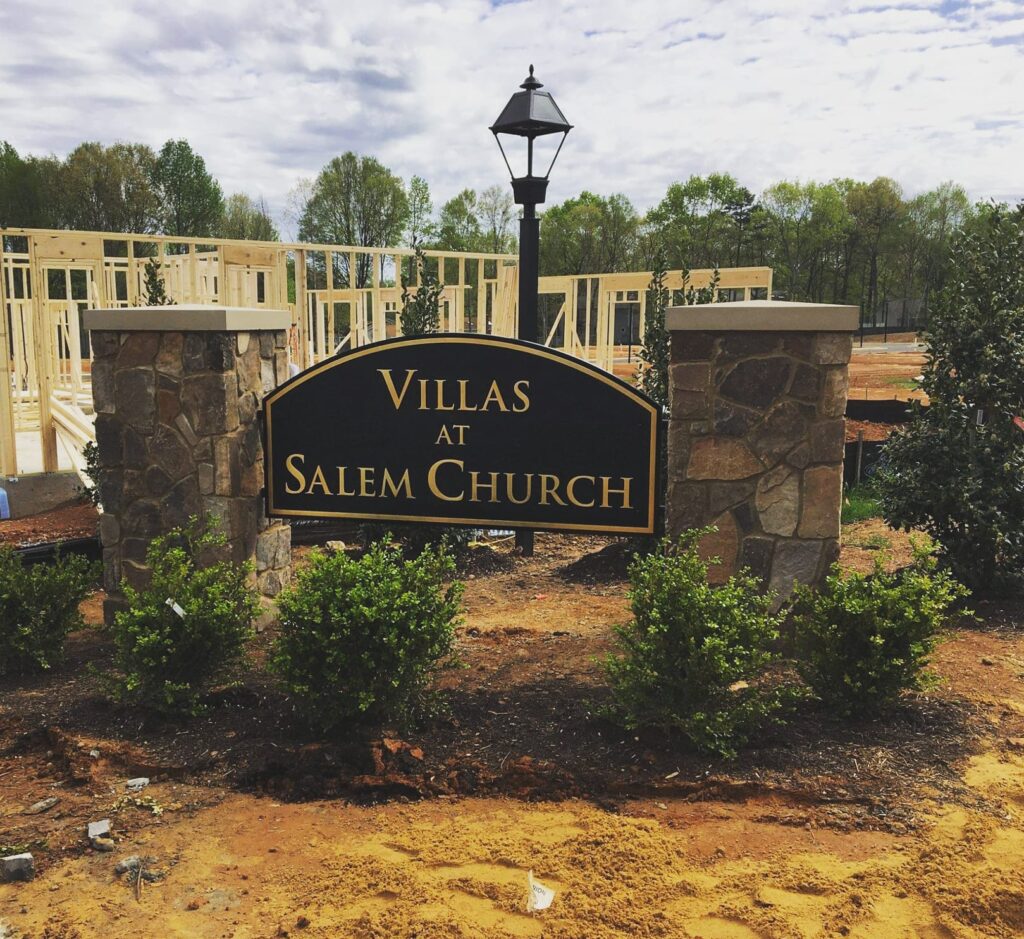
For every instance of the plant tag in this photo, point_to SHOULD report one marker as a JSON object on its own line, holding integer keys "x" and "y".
{"x": 174, "y": 606}
{"x": 538, "y": 896}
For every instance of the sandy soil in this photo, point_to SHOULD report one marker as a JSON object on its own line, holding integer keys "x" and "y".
{"x": 864, "y": 832}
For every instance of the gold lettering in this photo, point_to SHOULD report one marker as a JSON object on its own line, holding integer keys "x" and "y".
{"x": 423, "y": 394}
{"x": 342, "y": 491}
{"x": 549, "y": 486}
{"x": 463, "y": 404}
{"x": 289, "y": 465}
{"x": 397, "y": 396}
{"x": 462, "y": 428}
{"x": 444, "y": 436}
{"x": 475, "y": 486}
{"x": 494, "y": 394}
{"x": 403, "y": 483}
{"x": 318, "y": 480}
{"x": 569, "y": 491}
{"x": 606, "y": 491}
{"x": 432, "y": 481}
{"x": 510, "y": 489}
{"x": 520, "y": 393}
{"x": 366, "y": 481}
{"x": 441, "y": 406}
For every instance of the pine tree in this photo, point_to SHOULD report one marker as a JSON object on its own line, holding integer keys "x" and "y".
{"x": 153, "y": 285}
{"x": 421, "y": 305}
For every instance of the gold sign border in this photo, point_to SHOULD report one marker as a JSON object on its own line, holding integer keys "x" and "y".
{"x": 529, "y": 348}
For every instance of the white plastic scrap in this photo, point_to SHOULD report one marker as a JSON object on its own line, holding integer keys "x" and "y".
{"x": 174, "y": 606}
{"x": 137, "y": 784}
{"x": 538, "y": 897}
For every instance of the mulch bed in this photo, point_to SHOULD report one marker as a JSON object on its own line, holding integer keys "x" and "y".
{"x": 62, "y": 524}
{"x": 524, "y": 719}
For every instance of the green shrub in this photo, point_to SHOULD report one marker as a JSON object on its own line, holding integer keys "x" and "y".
{"x": 38, "y": 608}
{"x": 859, "y": 503}
{"x": 166, "y": 660}
{"x": 93, "y": 469}
{"x": 862, "y": 639}
{"x": 690, "y": 658}
{"x": 360, "y": 639}
{"x": 955, "y": 471}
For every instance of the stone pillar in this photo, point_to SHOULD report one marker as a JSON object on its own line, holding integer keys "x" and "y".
{"x": 177, "y": 393}
{"x": 757, "y": 434}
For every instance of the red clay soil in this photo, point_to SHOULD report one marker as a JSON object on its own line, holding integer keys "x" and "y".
{"x": 71, "y": 521}
{"x": 872, "y": 430}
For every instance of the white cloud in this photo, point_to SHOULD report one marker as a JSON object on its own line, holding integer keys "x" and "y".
{"x": 269, "y": 91}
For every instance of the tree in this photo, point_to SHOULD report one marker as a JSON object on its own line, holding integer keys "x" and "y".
{"x": 421, "y": 303}
{"x": 153, "y": 285}
{"x": 699, "y": 220}
{"x": 421, "y": 227}
{"x": 877, "y": 211}
{"x": 355, "y": 201}
{"x": 806, "y": 225}
{"x": 590, "y": 234}
{"x": 109, "y": 188}
{"x": 191, "y": 200}
{"x": 458, "y": 227}
{"x": 29, "y": 190}
{"x": 957, "y": 470}
{"x": 247, "y": 219}
{"x": 496, "y": 212}
{"x": 652, "y": 376}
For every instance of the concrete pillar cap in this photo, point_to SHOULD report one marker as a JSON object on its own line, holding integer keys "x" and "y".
{"x": 187, "y": 318}
{"x": 763, "y": 316}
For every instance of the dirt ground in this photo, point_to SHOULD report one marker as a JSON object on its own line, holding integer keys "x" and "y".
{"x": 886, "y": 375}
{"x": 70, "y": 521}
{"x": 905, "y": 827}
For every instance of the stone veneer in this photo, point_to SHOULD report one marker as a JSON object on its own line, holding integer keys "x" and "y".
{"x": 757, "y": 434}
{"x": 178, "y": 432}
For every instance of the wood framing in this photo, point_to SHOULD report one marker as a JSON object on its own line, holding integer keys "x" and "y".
{"x": 340, "y": 297}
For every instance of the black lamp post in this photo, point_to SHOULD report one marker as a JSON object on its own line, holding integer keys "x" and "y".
{"x": 530, "y": 113}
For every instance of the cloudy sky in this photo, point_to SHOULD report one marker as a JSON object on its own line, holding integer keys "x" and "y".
{"x": 269, "y": 90}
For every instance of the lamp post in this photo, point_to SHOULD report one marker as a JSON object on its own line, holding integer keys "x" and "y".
{"x": 530, "y": 113}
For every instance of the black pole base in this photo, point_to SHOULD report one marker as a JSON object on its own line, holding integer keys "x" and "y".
{"x": 524, "y": 542}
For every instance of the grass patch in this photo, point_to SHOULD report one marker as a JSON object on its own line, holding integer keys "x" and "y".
{"x": 898, "y": 381}
{"x": 859, "y": 503}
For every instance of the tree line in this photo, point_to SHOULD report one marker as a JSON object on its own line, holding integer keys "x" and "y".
{"x": 841, "y": 241}
{"x": 126, "y": 187}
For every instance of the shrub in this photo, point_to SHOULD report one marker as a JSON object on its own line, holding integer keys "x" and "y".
{"x": 863, "y": 639}
{"x": 415, "y": 539}
{"x": 956, "y": 470}
{"x": 93, "y": 469}
{"x": 421, "y": 304}
{"x": 688, "y": 658}
{"x": 360, "y": 639}
{"x": 38, "y": 608}
{"x": 860, "y": 503}
{"x": 165, "y": 659}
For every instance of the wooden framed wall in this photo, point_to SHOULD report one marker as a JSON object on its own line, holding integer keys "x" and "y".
{"x": 339, "y": 296}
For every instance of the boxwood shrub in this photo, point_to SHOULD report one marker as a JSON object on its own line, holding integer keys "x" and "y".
{"x": 361, "y": 638}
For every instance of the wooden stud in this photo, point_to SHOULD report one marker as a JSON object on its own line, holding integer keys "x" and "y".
{"x": 8, "y": 440}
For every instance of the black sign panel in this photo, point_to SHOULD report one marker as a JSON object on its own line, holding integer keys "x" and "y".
{"x": 467, "y": 430}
